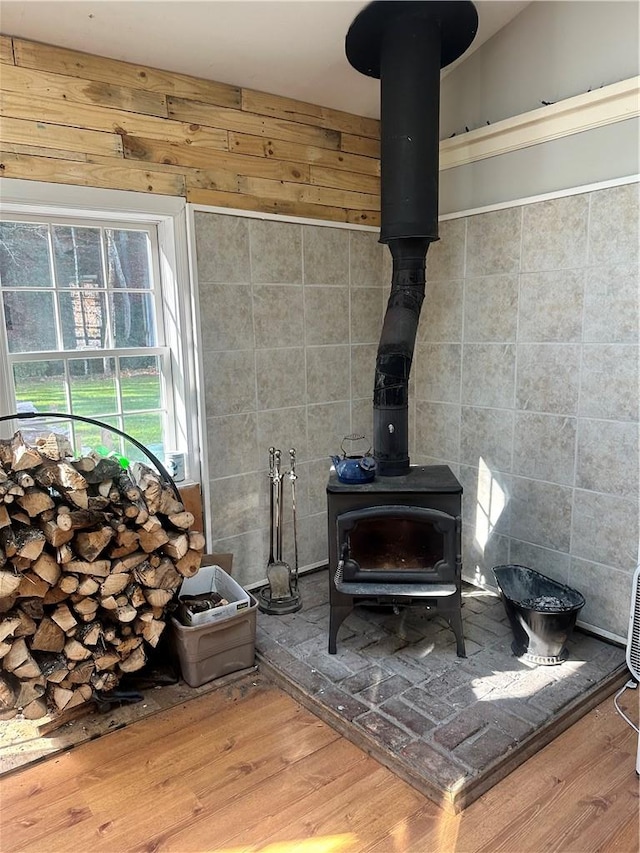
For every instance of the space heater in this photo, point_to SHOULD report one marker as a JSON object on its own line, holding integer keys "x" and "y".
{"x": 633, "y": 654}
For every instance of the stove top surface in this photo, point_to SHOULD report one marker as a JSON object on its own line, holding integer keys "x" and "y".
{"x": 421, "y": 478}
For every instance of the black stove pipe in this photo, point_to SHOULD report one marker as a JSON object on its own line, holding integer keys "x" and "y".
{"x": 405, "y": 43}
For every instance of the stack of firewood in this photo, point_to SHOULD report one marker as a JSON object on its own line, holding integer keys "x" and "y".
{"x": 91, "y": 557}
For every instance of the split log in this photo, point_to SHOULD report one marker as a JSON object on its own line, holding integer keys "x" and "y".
{"x": 89, "y": 634}
{"x": 35, "y": 501}
{"x": 98, "y": 568}
{"x": 64, "y": 554}
{"x": 33, "y": 607}
{"x": 126, "y": 543}
{"x": 91, "y": 556}
{"x": 88, "y": 586}
{"x": 62, "y": 476}
{"x": 16, "y": 656}
{"x": 86, "y": 608}
{"x": 64, "y": 618}
{"x": 135, "y": 595}
{"x": 49, "y": 637}
{"x": 126, "y": 564}
{"x": 151, "y": 541}
{"x": 189, "y": 564}
{"x": 54, "y": 446}
{"x": 9, "y": 583}
{"x": 158, "y": 597}
{"x": 113, "y": 584}
{"x": 69, "y": 583}
{"x": 91, "y": 544}
{"x": 47, "y": 568}
{"x": 108, "y": 660}
{"x": 35, "y": 710}
{"x": 61, "y": 697}
{"x": 105, "y": 490}
{"x": 20, "y": 564}
{"x": 126, "y": 612}
{"x": 8, "y": 541}
{"x": 24, "y": 479}
{"x": 81, "y": 519}
{"x": 183, "y": 519}
{"x": 176, "y": 546}
{"x": 55, "y": 668}
{"x": 31, "y": 586}
{"x": 104, "y": 681}
{"x": 29, "y": 542}
{"x": 103, "y": 469}
{"x": 9, "y": 688}
{"x": 54, "y": 595}
{"x": 197, "y": 541}
{"x": 152, "y": 631}
{"x": 162, "y": 576}
{"x": 53, "y": 533}
{"x": 20, "y": 661}
{"x": 30, "y": 689}
{"x": 23, "y": 457}
{"x": 125, "y": 647}
{"x": 8, "y": 627}
{"x": 76, "y": 651}
{"x": 135, "y": 661}
{"x": 81, "y": 674}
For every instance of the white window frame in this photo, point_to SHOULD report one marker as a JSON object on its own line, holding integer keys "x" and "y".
{"x": 168, "y": 214}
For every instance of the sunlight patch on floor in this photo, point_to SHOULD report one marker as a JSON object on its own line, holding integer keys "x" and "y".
{"x": 344, "y": 843}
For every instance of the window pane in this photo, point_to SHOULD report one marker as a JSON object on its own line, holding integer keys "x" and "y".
{"x": 147, "y": 429}
{"x": 24, "y": 255}
{"x": 93, "y": 386}
{"x": 128, "y": 259}
{"x": 133, "y": 319}
{"x": 97, "y": 439}
{"x": 77, "y": 256}
{"x": 40, "y": 386}
{"x": 140, "y": 383}
{"x": 30, "y": 320}
{"x": 82, "y": 316}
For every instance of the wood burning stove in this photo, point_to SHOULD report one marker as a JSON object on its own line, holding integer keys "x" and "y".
{"x": 396, "y": 542}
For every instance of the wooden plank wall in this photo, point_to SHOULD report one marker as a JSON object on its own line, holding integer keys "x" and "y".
{"x": 74, "y": 118}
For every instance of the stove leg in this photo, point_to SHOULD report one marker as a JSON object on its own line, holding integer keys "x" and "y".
{"x": 454, "y": 618}
{"x": 337, "y": 614}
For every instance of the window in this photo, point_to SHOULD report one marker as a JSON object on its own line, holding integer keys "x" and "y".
{"x": 91, "y": 326}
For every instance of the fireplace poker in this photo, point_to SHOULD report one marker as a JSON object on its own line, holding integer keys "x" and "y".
{"x": 293, "y": 477}
{"x": 272, "y": 456}
{"x": 278, "y": 572}
{"x": 279, "y": 495}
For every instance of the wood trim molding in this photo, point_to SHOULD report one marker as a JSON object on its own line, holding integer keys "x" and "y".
{"x": 610, "y": 104}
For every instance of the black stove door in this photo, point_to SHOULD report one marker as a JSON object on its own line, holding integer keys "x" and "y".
{"x": 398, "y": 544}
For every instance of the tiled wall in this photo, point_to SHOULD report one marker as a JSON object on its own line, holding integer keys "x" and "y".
{"x": 526, "y": 383}
{"x": 525, "y": 380}
{"x": 290, "y": 318}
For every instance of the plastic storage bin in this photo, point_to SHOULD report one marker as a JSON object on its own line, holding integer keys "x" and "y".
{"x": 214, "y": 579}
{"x": 217, "y": 648}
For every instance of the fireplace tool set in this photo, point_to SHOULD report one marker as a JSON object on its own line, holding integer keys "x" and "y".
{"x": 282, "y": 594}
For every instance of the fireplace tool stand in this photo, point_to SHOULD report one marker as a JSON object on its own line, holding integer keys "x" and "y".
{"x": 281, "y": 595}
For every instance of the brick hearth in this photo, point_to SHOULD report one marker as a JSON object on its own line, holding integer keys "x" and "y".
{"x": 452, "y": 727}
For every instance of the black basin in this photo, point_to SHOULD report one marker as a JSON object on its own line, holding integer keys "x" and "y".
{"x": 542, "y": 613}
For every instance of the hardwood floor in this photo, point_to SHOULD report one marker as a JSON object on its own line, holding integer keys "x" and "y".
{"x": 246, "y": 768}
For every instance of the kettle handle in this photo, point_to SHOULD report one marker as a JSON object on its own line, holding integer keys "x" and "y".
{"x": 354, "y": 436}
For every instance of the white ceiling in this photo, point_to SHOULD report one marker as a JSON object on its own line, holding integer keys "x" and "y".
{"x": 286, "y": 47}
